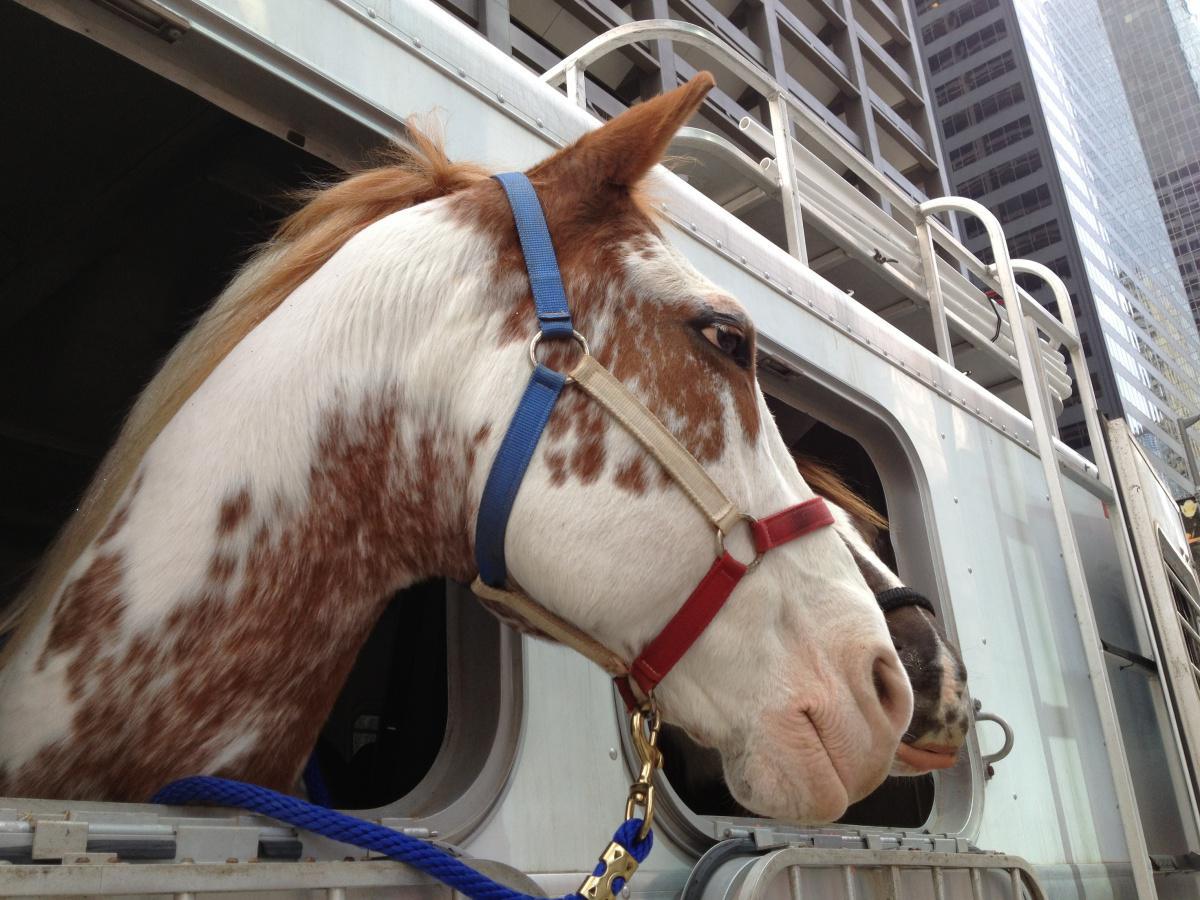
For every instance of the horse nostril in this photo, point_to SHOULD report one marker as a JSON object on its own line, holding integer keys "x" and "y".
{"x": 891, "y": 687}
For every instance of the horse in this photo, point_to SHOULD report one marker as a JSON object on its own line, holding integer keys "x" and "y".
{"x": 941, "y": 710}
{"x": 321, "y": 439}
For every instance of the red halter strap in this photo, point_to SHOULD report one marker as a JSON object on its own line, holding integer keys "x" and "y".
{"x": 714, "y": 589}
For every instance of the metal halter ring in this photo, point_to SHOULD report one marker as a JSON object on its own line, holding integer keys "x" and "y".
{"x": 537, "y": 339}
{"x": 749, "y": 520}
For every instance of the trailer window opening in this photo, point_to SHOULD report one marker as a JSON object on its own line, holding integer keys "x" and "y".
{"x": 122, "y": 228}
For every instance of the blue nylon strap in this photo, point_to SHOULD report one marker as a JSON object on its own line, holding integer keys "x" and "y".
{"x": 545, "y": 385}
{"x": 504, "y": 480}
{"x": 554, "y": 316}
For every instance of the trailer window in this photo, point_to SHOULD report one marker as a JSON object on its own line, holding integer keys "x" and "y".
{"x": 135, "y": 202}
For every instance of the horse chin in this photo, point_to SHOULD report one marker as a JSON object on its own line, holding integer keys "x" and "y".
{"x": 798, "y": 778}
{"x": 807, "y": 792}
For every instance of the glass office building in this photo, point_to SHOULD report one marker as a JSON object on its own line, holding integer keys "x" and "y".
{"x": 1157, "y": 48}
{"x": 1036, "y": 125}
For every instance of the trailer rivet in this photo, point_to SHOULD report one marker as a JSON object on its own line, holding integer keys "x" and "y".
{"x": 540, "y": 123}
{"x": 462, "y": 73}
{"x": 612, "y": 752}
{"x": 370, "y": 12}
{"x": 499, "y": 98}
{"x": 718, "y": 242}
{"x": 417, "y": 43}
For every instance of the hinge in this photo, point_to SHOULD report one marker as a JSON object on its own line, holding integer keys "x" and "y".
{"x": 149, "y": 15}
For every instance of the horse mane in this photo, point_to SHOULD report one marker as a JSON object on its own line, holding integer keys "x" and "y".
{"x": 403, "y": 175}
{"x": 826, "y": 482}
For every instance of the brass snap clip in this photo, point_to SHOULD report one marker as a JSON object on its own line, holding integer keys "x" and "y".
{"x": 644, "y": 724}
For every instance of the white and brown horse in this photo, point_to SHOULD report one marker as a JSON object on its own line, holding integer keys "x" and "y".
{"x": 321, "y": 439}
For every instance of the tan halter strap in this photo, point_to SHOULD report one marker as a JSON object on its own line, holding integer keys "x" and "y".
{"x": 648, "y": 431}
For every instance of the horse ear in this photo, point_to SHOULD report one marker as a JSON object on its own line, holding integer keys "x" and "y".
{"x": 623, "y": 150}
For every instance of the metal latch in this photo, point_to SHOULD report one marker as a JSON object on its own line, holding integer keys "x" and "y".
{"x": 58, "y": 837}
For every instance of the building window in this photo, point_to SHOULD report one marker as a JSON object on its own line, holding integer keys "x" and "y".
{"x": 1005, "y": 173}
{"x": 958, "y": 16}
{"x": 976, "y": 77}
{"x": 1024, "y": 243}
{"x": 994, "y": 140}
{"x": 983, "y": 110}
{"x": 968, "y": 46}
{"x": 1024, "y": 203}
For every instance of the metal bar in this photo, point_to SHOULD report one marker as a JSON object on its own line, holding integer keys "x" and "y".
{"x": 939, "y": 883}
{"x": 976, "y": 885}
{"x": 1188, "y": 597}
{"x": 1183, "y": 589}
{"x": 1031, "y": 333}
{"x": 1087, "y": 394}
{"x": 794, "y": 883}
{"x": 781, "y": 128}
{"x": 933, "y": 290}
{"x": 1015, "y": 882}
{"x": 1072, "y": 558}
{"x": 576, "y": 81}
{"x": 689, "y": 138}
{"x": 894, "y": 878}
{"x": 850, "y": 883}
{"x": 1188, "y": 627}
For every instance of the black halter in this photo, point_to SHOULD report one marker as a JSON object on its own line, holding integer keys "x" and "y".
{"x": 894, "y": 598}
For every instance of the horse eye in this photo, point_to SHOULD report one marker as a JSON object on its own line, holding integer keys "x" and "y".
{"x": 727, "y": 338}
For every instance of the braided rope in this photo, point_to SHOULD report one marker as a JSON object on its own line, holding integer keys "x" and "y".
{"x": 338, "y": 826}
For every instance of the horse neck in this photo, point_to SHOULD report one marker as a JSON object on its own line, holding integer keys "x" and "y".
{"x": 327, "y": 462}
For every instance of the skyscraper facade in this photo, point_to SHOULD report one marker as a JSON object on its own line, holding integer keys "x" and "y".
{"x": 1157, "y": 48}
{"x": 1036, "y": 126}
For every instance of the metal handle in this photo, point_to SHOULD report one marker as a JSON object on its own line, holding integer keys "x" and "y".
{"x": 990, "y": 758}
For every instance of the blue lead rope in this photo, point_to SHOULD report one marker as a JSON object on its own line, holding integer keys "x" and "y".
{"x": 395, "y": 845}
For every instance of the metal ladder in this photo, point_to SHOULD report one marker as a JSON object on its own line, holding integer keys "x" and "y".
{"x": 1032, "y": 317}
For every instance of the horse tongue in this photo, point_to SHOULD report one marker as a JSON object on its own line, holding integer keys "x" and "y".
{"x": 926, "y": 759}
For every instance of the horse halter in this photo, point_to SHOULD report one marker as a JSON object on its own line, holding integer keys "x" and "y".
{"x": 897, "y": 597}
{"x": 660, "y": 655}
